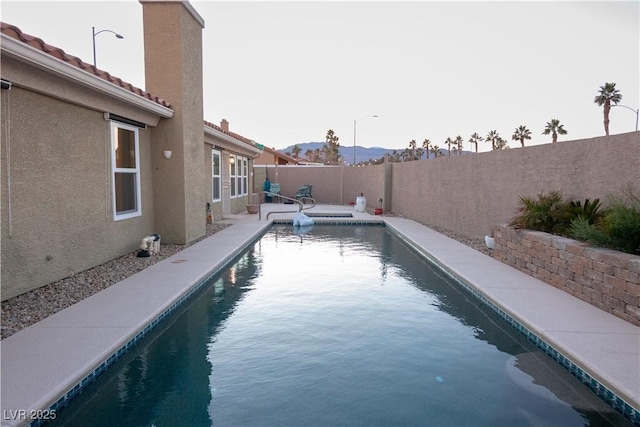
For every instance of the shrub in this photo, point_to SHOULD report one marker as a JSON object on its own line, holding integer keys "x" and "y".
{"x": 619, "y": 227}
{"x": 616, "y": 226}
{"x": 551, "y": 213}
{"x": 547, "y": 213}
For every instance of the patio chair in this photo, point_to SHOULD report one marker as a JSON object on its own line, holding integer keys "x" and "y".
{"x": 304, "y": 191}
{"x": 275, "y": 189}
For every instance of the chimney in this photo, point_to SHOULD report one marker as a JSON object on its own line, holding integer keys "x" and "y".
{"x": 224, "y": 124}
{"x": 173, "y": 71}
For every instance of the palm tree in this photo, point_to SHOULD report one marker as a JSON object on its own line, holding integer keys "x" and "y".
{"x": 459, "y": 144}
{"x": 296, "y": 151}
{"x": 520, "y": 134}
{"x": 475, "y": 138}
{"x": 449, "y": 141}
{"x": 435, "y": 150}
{"x": 412, "y": 145}
{"x": 492, "y": 137}
{"x": 425, "y": 145}
{"x": 554, "y": 128}
{"x": 308, "y": 154}
{"x": 608, "y": 94}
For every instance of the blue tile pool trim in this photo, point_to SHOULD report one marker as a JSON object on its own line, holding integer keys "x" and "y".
{"x": 611, "y": 398}
{"x": 79, "y": 387}
{"x": 329, "y": 215}
{"x": 319, "y": 221}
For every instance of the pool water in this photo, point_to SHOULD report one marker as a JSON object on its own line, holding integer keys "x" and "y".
{"x": 337, "y": 326}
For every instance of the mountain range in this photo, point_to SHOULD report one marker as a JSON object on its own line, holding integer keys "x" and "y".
{"x": 363, "y": 154}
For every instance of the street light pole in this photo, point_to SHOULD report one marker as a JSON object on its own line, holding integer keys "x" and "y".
{"x": 629, "y": 108}
{"x": 354, "y": 136}
{"x": 94, "y": 34}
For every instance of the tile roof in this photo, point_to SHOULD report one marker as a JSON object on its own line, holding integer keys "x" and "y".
{"x": 231, "y": 134}
{"x": 282, "y": 155}
{"x": 37, "y": 43}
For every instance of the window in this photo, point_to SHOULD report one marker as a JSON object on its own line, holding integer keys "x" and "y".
{"x": 215, "y": 174}
{"x": 125, "y": 166}
{"x": 233, "y": 164}
{"x": 245, "y": 175}
{"x": 239, "y": 175}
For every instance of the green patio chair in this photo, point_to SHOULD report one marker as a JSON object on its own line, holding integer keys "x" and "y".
{"x": 304, "y": 191}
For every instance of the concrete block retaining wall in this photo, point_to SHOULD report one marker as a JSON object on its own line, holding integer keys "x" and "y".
{"x": 607, "y": 279}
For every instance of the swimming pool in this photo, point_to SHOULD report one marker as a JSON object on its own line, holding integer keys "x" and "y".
{"x": 338, "y": 326}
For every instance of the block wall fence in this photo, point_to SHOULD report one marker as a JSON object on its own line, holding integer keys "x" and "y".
{"x": 471, "y": 193}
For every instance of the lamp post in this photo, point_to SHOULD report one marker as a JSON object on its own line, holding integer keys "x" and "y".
{"x": 355, "y": 122}
{"x": 94, "y": 34}
{"x": 629, "y": 108}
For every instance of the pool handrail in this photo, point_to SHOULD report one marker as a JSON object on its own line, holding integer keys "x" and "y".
{"x": 299, "y": 201}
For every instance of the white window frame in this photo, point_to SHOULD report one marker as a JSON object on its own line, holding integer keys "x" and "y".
{"x": 240, "y": 177}
{"x": 136, "y": 171}
{"x": 233, "y": 173}
{"x": 214, "y": 176}
{"x": 245, "y": 176}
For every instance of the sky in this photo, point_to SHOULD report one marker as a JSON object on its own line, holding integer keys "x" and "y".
{"x": 284, "y": 73}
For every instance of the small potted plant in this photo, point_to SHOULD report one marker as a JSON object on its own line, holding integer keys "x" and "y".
{"x": 254, "y": 205}
{"x": 378, "y": 211}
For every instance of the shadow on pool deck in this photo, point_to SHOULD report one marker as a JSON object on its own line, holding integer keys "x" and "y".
{"x": 43, "y": 362}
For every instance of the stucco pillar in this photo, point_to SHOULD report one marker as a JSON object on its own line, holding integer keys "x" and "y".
{"x": 173, "y": 71}
{"x": 387, "y": 198}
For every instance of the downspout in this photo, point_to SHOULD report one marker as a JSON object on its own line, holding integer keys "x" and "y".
{"x": 6, "y": 85}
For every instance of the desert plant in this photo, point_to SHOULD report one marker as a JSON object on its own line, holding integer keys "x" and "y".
{"x": 591, "y": 212}
{"x": 619, "y": 226}
{"x": 547, "y": 212}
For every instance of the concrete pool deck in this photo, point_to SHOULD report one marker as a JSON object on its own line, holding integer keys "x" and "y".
{"x": 42, "y": 363}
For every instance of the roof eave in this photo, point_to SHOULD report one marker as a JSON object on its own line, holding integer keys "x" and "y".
{"x": 232, "y": 141}
{"x": 42, "y": 60}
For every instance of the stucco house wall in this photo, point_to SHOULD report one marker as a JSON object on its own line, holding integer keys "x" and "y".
{"x": 57, "y": 210}
{"x": 228, "y": 144}
{"x": 57, "y": 191}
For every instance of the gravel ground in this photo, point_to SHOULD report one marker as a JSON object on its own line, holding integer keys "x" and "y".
{"x": 31, "y": 307}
